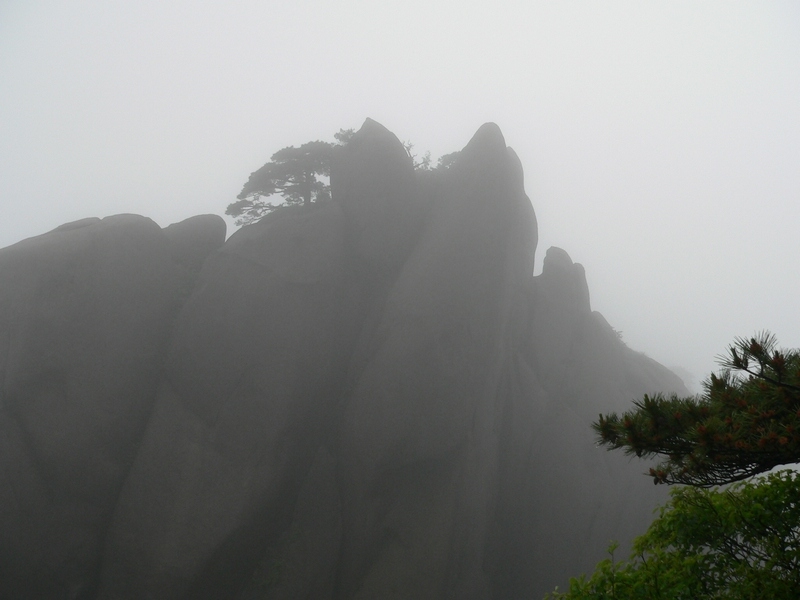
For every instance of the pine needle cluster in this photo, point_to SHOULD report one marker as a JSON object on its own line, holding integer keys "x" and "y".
{"x": 746, "y": 422}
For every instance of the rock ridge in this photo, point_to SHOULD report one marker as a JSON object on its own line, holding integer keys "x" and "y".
{"x": 369, "y": 398}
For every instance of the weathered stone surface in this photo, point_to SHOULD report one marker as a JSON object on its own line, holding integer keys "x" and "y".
{"x": 85, "y": 314}
{"x": 562, "y": 499}
{"x": 193, "y": 239}
{"x": 561, "y": 307}
{"x": 372, "y": 178}
{"x": 370, "y": 398}
{"x": 418, "y": 439}
{"x": 576, "y": 351}
{"x": 303, "y": 562}
{"x": 255, "y": 365}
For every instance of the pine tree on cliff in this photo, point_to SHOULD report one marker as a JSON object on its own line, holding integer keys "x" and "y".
{"x": 298, "y": 175}
{"x": 746, "y": 422}
{"x": 742, "y": 541}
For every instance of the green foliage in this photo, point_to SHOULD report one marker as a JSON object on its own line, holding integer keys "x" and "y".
{"x": 743, "y": 542}
{"x": 746, "y": 422}
{"x": 709, "y": 542}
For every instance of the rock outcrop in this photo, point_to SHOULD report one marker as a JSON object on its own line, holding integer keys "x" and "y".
{"x": 255, "y": 365}
{"x": 418, "y": 442}
{"x": 575, "y": 364}
{"x": 368, "y": 398}
{"x": 86, "y": 314}
{"x": 373, "y": 180}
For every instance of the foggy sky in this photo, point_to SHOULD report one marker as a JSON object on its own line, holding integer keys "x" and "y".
{"x": 660, "y": 141}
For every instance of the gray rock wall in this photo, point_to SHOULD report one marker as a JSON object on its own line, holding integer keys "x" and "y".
{"x": 253, "y": 372}
{"x": 86, "y": 313}
{"x": 418, "y": 439}
{"x": 370, "y": 398}
{"x": 564, "y": 499}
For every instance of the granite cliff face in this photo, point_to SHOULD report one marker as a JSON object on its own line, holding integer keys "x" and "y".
{"x": 370, "y": 398}
{"x": 86, "y": 313}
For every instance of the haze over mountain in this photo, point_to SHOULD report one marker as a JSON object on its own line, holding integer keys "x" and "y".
{"x": 366, "y": 397}
{"x": 660, "y": 140}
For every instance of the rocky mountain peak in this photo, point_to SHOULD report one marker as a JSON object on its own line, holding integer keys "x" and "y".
{"x": 371, "y": 397}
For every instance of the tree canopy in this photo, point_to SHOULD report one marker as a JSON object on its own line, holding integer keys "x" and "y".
{"x": 301, "y": 176}
{"x": 298, "y": 175}
{"x": 711, "y": 542}
{"x": 747, "y": 421}
{"x": 743, "y": 542}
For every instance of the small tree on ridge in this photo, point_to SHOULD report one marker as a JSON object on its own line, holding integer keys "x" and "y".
{"x": 298, "y": 175}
